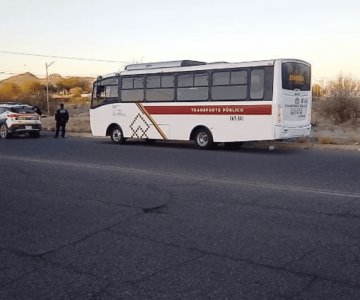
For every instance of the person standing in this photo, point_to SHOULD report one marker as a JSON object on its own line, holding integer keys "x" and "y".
{"x": 61, "y": 118}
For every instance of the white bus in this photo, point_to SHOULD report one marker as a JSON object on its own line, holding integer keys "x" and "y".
{"x": 204, "y": 102}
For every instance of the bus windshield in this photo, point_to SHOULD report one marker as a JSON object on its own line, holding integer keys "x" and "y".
{"x": 296, "y": 76}
{"x": 104, "y": 91}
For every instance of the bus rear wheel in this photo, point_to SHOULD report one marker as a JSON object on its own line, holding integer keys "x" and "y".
{"x": 116, "y": 135}
{"x": 203, "y": 139}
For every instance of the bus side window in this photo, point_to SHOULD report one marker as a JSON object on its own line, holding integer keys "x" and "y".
{"x": 269, "y": 79}
{"x": 193, "y": 87}
{"x": 229, "y": 85}
{"x": 132, "y": 89}
{"x": 257, "y": 84}
{"x": 160, "y": 88}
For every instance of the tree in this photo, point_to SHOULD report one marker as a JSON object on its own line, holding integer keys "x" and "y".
{"x": 9, "y": 91}
{"x": 342, "y": 103}
{"x": 317, "y": 91}
{"x": 32, "y": 88}
{"x": 73, "y": 82}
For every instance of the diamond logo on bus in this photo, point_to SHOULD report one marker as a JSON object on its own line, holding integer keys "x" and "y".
{"x": 139, "y": 127}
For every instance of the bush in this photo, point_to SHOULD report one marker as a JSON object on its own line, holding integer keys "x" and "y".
{"x": 342, "y": 102}
{"x": 76, "y": 92}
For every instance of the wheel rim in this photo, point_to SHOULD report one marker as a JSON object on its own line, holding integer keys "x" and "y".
{"x": 116, "y": 135}
{"x": 202, "y": 139}
{"x": 3, "y": 131}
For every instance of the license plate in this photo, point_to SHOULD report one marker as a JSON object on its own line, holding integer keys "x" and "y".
{"x": 28, "y": 127}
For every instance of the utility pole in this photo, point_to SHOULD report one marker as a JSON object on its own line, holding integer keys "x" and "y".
{"x": 47, "y": 86}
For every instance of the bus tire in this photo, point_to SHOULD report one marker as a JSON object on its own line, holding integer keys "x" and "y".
{"x": 203, "y": 138}
{"x": 116, "y": 135}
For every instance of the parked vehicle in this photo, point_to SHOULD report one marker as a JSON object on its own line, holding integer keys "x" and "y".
{"x": 18, "y": 118}
{"x": 206, "y": 103}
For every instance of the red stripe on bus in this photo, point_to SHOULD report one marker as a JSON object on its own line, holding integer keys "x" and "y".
{"x": 209, "y": 110}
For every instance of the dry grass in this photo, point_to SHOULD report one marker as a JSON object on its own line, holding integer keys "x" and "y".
{"x": 326, "y": 132}
{"x": 353, "y": 136}
{"x": 79, "y": 120}
{"x": 79, "y": 124}
{"x": 326, "y": 140}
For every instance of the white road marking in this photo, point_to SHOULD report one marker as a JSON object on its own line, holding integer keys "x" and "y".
{"x": 231, "y": 181}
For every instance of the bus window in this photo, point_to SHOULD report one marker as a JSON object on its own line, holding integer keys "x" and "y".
{"x": 295, "y": 76}
{"x": 132, "y": 89}
{"x": 229, "y": 86}
{"x": 160, "y": 88}
{"x": 160, "y": 95}
{"x": 105, "y": 91}
{"x": 269, "y": 81}
{"x": 201, "y": 80}
{"x": 257, "y": 84}
{"x": 167, "y": 81}
{"x": 238, "y": 77}
{"x": 193, "y": 87}
{"x": 127, "y": 83}
{"x": 153, "y": 81}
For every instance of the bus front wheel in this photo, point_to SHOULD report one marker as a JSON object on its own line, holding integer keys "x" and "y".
{"x": 203, "y": 139}
{"x": 117, "y": 135}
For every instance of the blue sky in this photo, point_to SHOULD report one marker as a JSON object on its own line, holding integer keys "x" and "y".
{"x": 325, "y": 33}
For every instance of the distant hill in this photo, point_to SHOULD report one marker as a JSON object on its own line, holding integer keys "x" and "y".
{"x": 21, "y": 78}
{"x": 29, "y": 77}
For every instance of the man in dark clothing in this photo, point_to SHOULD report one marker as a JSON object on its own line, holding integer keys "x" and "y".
{"x": 61, "y": 118}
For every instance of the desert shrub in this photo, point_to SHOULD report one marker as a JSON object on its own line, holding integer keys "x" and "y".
{"x": 342, "y": 102}
{"x": 76, "y": 92}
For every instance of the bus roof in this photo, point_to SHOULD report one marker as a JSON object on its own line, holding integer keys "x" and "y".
{"x": 190, "y": 65}
{"x": 206, "y": 66}
{"x": 166, "y": 64}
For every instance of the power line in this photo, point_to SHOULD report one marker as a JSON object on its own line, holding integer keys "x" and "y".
{"x": 63, "y": 57}
{"x": 8, "y": 73}
{"x": 5, "y": 74}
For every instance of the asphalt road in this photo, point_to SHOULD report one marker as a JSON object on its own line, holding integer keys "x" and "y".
{"x": 83, "y": 218}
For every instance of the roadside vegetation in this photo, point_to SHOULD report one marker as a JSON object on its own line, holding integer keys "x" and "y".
{"x": 336, "y": 111}
{"x": 29, "y": 89}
